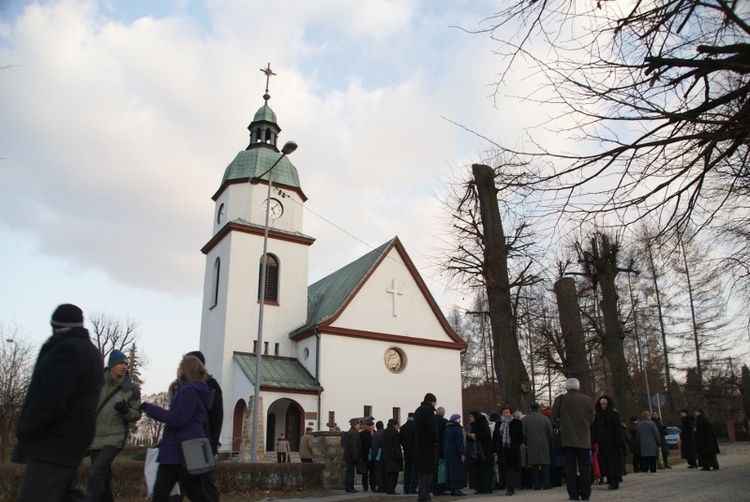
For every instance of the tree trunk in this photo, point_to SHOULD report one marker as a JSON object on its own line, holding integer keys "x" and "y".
{"x": 603, "y": 261}
{"x": 511, "y": 372}
{"x": 576, "y": 365}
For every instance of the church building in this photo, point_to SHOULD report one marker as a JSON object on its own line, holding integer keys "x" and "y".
{"x": 367, "y": 340}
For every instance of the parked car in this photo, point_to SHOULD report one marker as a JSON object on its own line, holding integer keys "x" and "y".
{"x": 673, "y": 437}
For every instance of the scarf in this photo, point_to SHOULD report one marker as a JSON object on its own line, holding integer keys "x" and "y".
{"x": 505, "y": 430}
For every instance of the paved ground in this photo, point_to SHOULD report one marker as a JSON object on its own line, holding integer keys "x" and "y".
{"x": 731, "y": 483}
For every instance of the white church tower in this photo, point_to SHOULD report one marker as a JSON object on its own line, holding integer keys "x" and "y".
{"x": 366, "y": 340}
{"x": 234, "y": 259}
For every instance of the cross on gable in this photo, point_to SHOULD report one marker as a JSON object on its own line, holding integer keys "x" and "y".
{"x": 395, "y": 292}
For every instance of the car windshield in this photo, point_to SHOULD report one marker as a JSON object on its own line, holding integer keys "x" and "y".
{"x": 673, "y": 430}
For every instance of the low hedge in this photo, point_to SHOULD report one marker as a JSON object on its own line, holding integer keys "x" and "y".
{"x": 128, "y": 483}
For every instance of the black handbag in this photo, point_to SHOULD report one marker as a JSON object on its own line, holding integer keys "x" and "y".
{"x": 475, "y": 452}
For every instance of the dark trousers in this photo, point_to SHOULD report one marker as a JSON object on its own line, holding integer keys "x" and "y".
{"x": 424, "y": 486}
{"x": 100, "y": 474}
{"x": 410, "y": 477}
{"x": 578, "y": 472}
{"x": 168, "y": 475}
{"x": 378, "y": 477}
{"x": 368, "y": 475}
{"x": 281, "y": 457}
{"x": 209, "y": 486}
{"x": 44, "y": 481}
{"x": 636, "y": 462}
{"x": 648, "y": 464}
{"x": 540, "y": 477}
{"x": 351, "y": 467}
{"x": 391, "y": 480}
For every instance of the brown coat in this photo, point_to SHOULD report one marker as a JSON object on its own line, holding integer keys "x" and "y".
{"x": 575, "y": 413}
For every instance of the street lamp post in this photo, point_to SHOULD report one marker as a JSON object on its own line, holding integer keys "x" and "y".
{"x": 287, "y": 149}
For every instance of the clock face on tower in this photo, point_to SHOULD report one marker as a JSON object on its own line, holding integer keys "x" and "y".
{"x": 276, "y": 209}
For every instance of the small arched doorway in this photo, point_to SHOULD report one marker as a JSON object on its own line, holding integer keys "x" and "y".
{"x": 238, "y": 423}
{"x": 285, "y": 415}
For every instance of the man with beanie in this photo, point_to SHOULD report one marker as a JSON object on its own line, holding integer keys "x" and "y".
{"x": 58, "y": 418}
{"x": 213, "y": 427}
{"x": 426, "y": 446}
{"x": 118, "y": 405}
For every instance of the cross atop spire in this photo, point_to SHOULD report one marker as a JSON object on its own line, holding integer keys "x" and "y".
{"x": 269, "y": 74}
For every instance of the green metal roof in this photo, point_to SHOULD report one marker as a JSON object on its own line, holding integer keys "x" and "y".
{"x": 256, "y": 161}
{"x": 326, "y": 297}
{"x": 277, "y": 372}
{"x": 265, "y": 114}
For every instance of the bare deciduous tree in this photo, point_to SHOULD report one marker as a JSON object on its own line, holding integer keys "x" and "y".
{"x": 16, "y": 365}
{"x": 657, "y": 94}
{"x": 150, "y": 429}
{"x": 109, "y": 333}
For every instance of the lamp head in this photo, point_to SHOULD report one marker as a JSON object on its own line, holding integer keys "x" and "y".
{"x": 288, "y": 147}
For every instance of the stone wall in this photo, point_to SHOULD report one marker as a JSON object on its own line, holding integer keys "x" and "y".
{"x": 327, "y": 451}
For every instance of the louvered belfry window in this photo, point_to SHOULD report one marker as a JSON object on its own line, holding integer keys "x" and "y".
{"x": 272, "y": 279}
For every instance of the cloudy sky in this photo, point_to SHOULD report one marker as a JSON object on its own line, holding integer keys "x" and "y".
{"x": 117, "y": 120}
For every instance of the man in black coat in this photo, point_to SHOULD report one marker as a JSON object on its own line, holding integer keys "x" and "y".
{"x": 213, "y": 427}
{"x": 368, "y": 466}
{"x": 408, "y": 443}
{"x": 426, "y": 451}
{"x": 393, "y": 457}
{"x": 58, "y": 419}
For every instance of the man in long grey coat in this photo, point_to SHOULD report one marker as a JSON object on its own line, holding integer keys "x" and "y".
{"x": 537, "y": 432}
{"x": 574, "y": 412}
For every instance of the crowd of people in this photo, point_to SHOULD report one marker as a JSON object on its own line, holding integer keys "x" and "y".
{"x": 575, "y": 443}
{"x": 76, "y": 407}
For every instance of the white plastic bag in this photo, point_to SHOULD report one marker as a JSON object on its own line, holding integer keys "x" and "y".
{"x": 150, "y": 469}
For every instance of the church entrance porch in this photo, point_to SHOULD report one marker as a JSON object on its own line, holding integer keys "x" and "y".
{"x": 284, "y": 416}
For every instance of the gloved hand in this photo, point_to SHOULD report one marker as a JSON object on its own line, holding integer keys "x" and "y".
{"x": 142, "y": 407}
{"x": 122, "y": 407}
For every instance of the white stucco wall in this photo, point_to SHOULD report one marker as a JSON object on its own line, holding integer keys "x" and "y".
{"x": 353, "y": 374}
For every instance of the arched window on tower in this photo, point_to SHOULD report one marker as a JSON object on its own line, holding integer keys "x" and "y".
{"x": 272, "y": 279}
{"x": 215, "y": 283}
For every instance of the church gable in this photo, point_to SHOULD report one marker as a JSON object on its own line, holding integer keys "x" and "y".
{"x": 379, "y": 296}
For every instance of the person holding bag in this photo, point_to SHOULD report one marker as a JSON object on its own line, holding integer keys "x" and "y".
{"x": 184, "y": 421}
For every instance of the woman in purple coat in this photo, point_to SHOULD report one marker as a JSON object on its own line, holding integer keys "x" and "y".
{"x": 184, "y": 420}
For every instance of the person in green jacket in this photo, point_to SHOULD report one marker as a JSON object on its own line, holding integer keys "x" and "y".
{"x": 118, "y": 408}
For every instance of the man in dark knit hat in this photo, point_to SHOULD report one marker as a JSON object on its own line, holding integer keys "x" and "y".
{"x": 118, "y": 405}
{"x": 58, "y": 418}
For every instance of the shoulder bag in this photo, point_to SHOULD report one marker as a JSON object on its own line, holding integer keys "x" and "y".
{"x": 198, "y": 455}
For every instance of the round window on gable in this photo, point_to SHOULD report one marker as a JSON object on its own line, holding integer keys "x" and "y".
{"x": 306, "y": 353}
{"x": 394, "y": 359}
